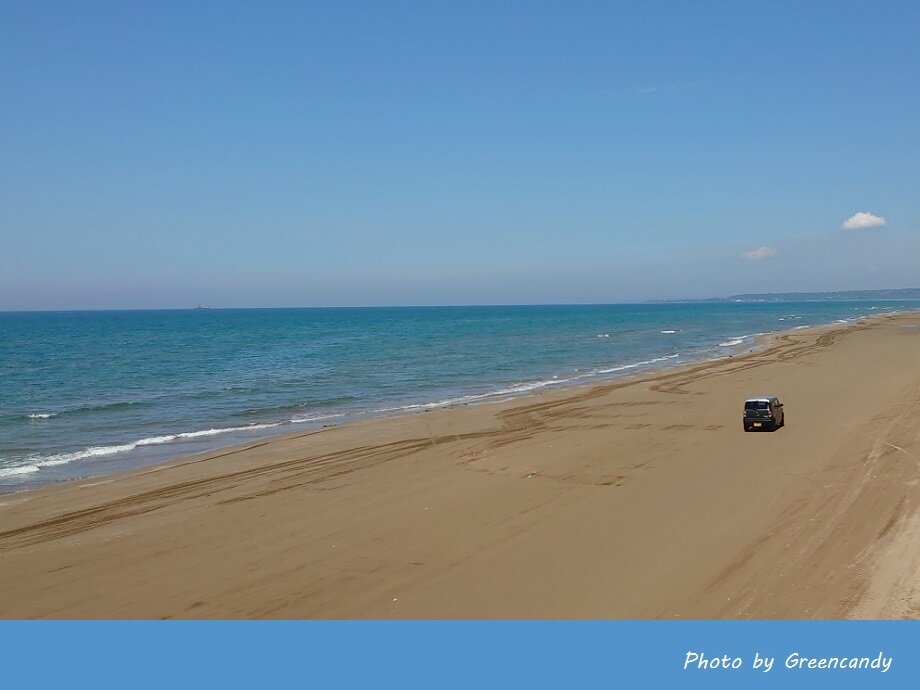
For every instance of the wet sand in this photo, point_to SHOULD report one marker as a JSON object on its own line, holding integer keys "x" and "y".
{"x": 640, "y": 498}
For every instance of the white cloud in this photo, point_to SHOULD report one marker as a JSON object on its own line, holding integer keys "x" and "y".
{"x": 863, "y": 221}
{"x": 760, "y": 253}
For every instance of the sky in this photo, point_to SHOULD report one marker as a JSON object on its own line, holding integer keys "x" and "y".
{"x": 261, "y": 154}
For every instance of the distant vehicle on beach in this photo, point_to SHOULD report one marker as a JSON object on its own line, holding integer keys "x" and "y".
{"x": 763, "y": 413}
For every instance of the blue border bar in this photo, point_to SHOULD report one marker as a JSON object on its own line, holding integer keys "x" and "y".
{"x": 464, "y": 654}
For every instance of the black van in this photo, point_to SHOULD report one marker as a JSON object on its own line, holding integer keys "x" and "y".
{"x": 763, "y": 413}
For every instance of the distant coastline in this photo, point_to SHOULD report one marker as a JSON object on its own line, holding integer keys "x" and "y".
{"x": 840, "y": 295}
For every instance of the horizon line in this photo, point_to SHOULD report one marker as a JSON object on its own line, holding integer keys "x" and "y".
{"x": 201, "y": 307}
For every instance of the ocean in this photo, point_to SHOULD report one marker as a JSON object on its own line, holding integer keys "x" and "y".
{"x": 90, "y": 393}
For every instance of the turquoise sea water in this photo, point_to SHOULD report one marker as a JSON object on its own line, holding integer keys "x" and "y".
{"x": 89, "y": 393}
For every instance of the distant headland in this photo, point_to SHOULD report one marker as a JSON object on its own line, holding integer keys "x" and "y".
{"x": 854, "y": 295}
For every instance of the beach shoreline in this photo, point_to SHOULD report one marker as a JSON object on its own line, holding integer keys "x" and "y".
{"x": 637, "y": 497}
{"x": 124, "y": 452}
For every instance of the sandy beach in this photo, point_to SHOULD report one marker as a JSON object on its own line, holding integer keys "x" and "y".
{"x": 638, "y": 498}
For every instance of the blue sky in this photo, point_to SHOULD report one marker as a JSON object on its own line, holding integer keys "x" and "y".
{"x": 307, "y": 154}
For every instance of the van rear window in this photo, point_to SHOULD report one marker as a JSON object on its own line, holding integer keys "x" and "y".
{"x": 756, "y": 405}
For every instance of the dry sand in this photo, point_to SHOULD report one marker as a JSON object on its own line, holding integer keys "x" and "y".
{"x": 641, "y": 498}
